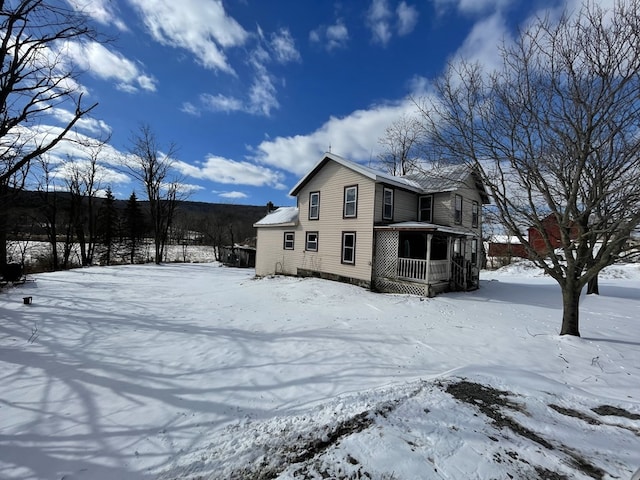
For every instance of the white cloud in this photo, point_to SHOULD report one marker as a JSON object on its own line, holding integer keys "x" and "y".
{"x": 473, "y": 7}
{"x": 191, "y": 109}
{"x": 201, "y": 27}
{"x": 233, "y": 194}
{"x": 103, "y": 175}
{"x": 221, "y": 103}
{"x": 109, "y": 65}
{"x": 262, "y": 94}
{"x": 380, "y": 20}
{"x": 407, "y": 18}
{"x": 91, "y": 125}
{"x": 333, "y": 36}
{"x": 284, "y": 47}
{"x": 481, "y": 45}
{"x": 354, "y": 137}
{"x": 223, "y": 170}
{"x": 102, "y": 11}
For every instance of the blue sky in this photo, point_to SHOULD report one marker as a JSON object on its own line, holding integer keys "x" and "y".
{"x": 254, "y": 91}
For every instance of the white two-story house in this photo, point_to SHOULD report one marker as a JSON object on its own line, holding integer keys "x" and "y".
{"x": 417, "y": 234}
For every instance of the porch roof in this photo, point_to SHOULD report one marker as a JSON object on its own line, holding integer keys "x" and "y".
{"x": 424, "y": 227}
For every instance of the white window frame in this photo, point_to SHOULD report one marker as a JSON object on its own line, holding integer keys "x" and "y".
{"x": 314, "y": 205}
{"x": 346, "y": 248}
{"x": 420, "y": 209}
{"x": 289, "y": 238}
{"x": 309, "y": 244}
{"x": 348, "y": 203}
{"x": 387, "y": 205}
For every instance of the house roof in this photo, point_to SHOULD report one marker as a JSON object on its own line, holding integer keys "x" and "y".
{"x": 441, "y": 179}
{"x": 423, "y": 226}
{"x": 448, "y": 178}
{"x": 279, "y": 217}
{"x": 374, "y": 175}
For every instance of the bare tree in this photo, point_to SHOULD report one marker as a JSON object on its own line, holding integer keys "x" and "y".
{"x": 49, "y": 210}
{"x": 84, "y": 182}
{"x": 35, "y": 78}
{"x": 554, "y": 133}
{"x": 154, "y": 170}
{"x": 400, "y": 144}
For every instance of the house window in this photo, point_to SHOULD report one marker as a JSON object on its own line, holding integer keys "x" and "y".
{"x": 387, "y": 204}
{"x": 474, "y": 251}
{"x": 475, "y": 214}
{"x": 312, "y": 242}
{"x": 349, "y": 247}
{"x": 289, "y": 238}
{"x": 350, "y": 202}
{"x": 425, "y": 209}
{"x": 314, "y": 205}
{"x": 457, "y": 214}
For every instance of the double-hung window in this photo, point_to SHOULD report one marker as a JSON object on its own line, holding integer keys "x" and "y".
{"x": 289, "y": 238}
{"x": 349, "y": 247}
{"x": 311, "y": 245}
{"x": 350, "y": 202}
{"x": 425, "y": 208}
{"x": 457, "y": 213}
{"x": 475, "y": 214}
{"x": 314, "y": 205}
{"x": 387, "y": 204}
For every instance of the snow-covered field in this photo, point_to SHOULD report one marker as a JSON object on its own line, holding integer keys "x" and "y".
{"x": 196, "y": 371}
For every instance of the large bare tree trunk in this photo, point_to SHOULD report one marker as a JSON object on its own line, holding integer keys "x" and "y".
{"x": 592, "y": 287}
{"x": 570, "y": 311}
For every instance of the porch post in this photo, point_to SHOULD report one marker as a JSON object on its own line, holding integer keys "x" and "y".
{"x": 449, "y": 259}
{"x": 429, "y": 237}
{"x": 463, "y": 247}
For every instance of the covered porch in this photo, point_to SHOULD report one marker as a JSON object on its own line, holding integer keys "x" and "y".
{"x": 424, "y": 259}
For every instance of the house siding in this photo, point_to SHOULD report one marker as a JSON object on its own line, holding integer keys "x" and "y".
{"x": 405, "y": 205}
{"x": 442, "y": 208}
{"x": 330, "y": 181}
{"x": 271, "y": 257}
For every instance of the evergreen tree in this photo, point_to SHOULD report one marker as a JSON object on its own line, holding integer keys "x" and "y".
{"x": 107, "y": 225}
{"x": 134, "y": 225}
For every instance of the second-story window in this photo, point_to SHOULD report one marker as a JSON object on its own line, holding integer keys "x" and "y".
{"x": 350, "y": 202}
{"x": 475, "y": 214}
{"x": 425, "y": 209}
{"x": 387, "y": 204}
{"x": 457, "y": 213}
{"x": 314, "y": 205}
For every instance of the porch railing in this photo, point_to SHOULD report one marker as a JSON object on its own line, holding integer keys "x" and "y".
{"x": 416, "y": 270}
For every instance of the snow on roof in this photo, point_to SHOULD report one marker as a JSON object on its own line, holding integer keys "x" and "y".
{"x": 506, "y": 239}
{"x": 280, "y": 216}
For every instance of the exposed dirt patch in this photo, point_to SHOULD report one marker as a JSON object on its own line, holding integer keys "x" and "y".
{"x": 493, "y": 403}
{"x": 569, "y": 412}
{"x": 608, "y": 410}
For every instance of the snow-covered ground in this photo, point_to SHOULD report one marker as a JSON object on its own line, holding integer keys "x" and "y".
{"x": 196, "y": 371}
